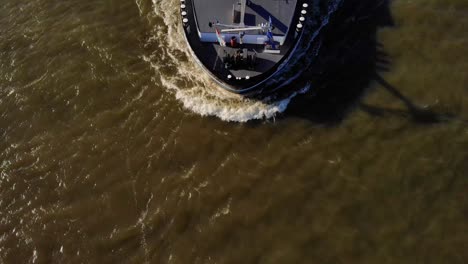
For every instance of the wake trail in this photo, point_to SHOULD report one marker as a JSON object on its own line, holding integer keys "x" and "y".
{"x": 179, "y": 74}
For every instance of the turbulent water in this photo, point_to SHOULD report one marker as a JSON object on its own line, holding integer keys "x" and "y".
{"x": 116, "y": 148}
{"x": 178, "y": 72}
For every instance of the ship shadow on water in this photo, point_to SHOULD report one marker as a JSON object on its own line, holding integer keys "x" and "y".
{"x": 350, "y": 59}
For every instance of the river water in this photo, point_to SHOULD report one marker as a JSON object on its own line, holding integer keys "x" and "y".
{"x": 116, "y": 148}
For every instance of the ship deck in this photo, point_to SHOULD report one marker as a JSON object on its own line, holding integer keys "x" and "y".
{"x": 254, "y": 63}
{"x": 257, "y": 12}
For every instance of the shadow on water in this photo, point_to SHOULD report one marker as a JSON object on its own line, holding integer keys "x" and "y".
{"x": 349, "y": 60}
{"x": 416, "y": 113}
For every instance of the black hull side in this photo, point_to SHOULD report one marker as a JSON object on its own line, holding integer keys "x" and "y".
{"x": 257, "y": 86}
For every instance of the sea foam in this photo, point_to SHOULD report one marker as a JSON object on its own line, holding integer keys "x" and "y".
{"x": 191, "y": 85}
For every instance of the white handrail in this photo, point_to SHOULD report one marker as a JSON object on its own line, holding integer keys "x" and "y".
{"x": 241, "y": 29}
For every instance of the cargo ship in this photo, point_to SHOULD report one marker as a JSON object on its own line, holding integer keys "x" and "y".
{"x": 242, "y": 44}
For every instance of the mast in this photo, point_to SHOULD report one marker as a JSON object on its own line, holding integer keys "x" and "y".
{"x": 243, "y": 4}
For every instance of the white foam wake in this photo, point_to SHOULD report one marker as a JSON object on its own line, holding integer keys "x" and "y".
{"x": 179, "y": 74}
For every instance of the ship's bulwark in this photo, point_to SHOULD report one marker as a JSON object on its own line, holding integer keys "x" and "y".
{"x": 255, "y": 66}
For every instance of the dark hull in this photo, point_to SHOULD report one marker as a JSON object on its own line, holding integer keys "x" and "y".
{"x": 206, "y": 54}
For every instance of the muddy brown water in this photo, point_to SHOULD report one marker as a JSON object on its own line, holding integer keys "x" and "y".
{"x": 114, "y": 150}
